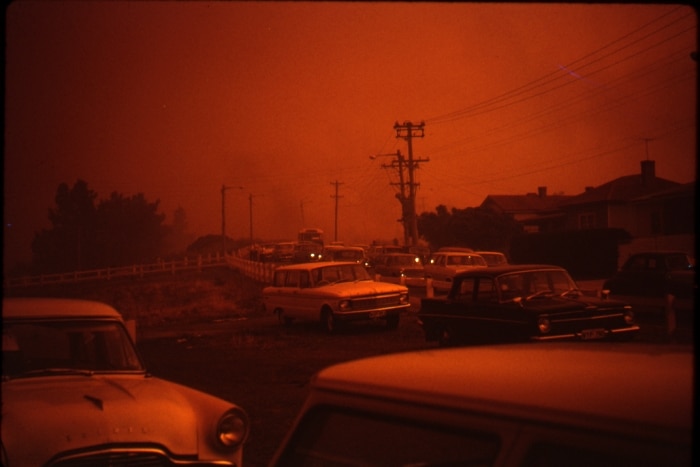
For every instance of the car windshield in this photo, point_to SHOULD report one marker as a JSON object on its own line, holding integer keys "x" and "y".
{"x": 339, "y": 273}
{"x": 535, "y": 283}
{"x": 44, "y": 347}
{"x": 679, "y": 262}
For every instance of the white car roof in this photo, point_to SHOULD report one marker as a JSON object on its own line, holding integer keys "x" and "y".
{"x": 36, "y": 308}
{"x": 596, "y": 385}
{"x": 315, "y": 265}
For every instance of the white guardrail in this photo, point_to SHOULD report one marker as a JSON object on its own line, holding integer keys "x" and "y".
{"x": 161, "y": 267}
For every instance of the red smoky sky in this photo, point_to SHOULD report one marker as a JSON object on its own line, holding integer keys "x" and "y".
{"x": 289, "y": 100}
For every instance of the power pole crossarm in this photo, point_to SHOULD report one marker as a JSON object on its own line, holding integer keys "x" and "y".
{"x": 408, "y": 131}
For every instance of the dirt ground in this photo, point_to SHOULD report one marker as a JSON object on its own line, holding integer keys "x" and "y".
{"x": 265, "y": 367}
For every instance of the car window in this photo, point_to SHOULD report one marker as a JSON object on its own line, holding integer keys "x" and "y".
{"x": 486, "y": 291}
{"x": 292, "y": 279}
{"x": 466, "y": 290}
{"x": 31, "y": 348}
{"x": 334, "y": 437}
{"x": 280, "y": 277}
{"x": 304, "y": 280}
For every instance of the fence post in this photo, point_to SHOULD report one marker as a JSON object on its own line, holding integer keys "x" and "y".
{"x": 429, "y": 290}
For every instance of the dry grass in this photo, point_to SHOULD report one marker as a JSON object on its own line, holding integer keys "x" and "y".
{"x": 216, "y": 293}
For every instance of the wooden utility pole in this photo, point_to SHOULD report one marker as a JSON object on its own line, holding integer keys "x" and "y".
{"x": 336, "y": 196}
{"x": 408, "y": 131}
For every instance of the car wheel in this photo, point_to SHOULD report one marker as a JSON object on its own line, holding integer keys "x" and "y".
{"x": 329, "y": 321}
{"x": 285, "y": 320}
{"x": 392, "y": 321}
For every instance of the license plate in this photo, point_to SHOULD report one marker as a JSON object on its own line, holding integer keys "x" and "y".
{"x": 377, "y": 314}
{"x": 591, "y": 334}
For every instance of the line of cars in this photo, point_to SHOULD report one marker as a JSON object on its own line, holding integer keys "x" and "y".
{"x": 76, "y": 393}
{"x": 513, "y": 404}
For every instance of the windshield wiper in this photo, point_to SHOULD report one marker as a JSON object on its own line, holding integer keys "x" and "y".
{"x": 539, "y": 294}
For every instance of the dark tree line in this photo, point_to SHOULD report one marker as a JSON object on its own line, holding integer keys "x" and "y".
{"x": 88, "y": 233}
{"x": 476, "y": 227}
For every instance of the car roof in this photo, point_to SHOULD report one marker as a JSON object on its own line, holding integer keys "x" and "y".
{"x": 39, "y": 308}
{"x": 596, "y": 386}
{"x": 315, "y": 265}
{"x": 507, "y": 268}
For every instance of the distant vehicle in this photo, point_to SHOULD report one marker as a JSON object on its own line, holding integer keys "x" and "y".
{"x": 493, "y": 258}
{"x": 75, "y": 392}
{"x": 655, "y": 274}
{"x": 283, "y": 252}
{"x": 305, "y": 252}
{"x": 310, "y": 235}
{"x": 333, "y": 294}
{"x": 553, "y": 404}
{"x": 398, "y": 266}
{"x": 521, "y": 303}
{"x": 345, "y": 253}
{"x": 444, "y": 265}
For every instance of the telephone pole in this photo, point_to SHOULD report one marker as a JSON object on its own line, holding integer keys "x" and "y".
{"x": 336, "y": 196}
{"x": 408, "y": 131}
{"x": 223, "y": 216}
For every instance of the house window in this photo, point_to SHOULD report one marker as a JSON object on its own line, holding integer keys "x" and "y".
{"x": 586, "y": 221}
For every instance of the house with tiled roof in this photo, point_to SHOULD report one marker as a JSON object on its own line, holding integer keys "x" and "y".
{"x": 657, "y": 213}
{"x": 537, "y": 212}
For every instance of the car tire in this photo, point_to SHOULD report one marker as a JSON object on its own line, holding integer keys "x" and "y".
{"x": 329, "y": 321}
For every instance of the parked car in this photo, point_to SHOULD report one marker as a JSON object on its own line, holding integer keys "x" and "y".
{"x": 75, "y": 392}
{"x": 521, "y": 302}
{"x": 655, "y": 274}
{"x": 353, "y": 254}
{"x": 556, "y": 404}
{"x": 444, "y": 265}
{"x": 493, "y": 258}
{"x": 334, "y": 294}
{"x": 405, "y": 267}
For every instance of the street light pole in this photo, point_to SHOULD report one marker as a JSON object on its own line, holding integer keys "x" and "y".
{"x": 223, "y": 216}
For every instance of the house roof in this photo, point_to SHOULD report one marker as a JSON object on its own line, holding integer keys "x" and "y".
{"x": 624, "y": 188}
{"x": 524, "y": 203}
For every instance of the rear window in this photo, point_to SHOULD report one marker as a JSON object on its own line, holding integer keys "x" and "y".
{"x": 330, "y": 437}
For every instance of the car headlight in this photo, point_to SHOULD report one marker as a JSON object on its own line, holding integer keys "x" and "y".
{"x": 628, "y": 315}
{"x": 344, "y": 305}
{"x": 233, "y": 428}
{"x": 403, "y": 298}
{"x": 544, "y": 325}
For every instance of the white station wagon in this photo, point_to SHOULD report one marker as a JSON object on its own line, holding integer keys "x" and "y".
{"x": 333, "y": 293}
{"x": 75, "y": 393}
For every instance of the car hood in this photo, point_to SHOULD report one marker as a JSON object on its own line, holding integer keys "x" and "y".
{"x": 362, "y": 288}
{"x": 42, "y": 416}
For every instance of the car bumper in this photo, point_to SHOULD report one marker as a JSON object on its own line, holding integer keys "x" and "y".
{"x": 367, "y": 315}
{"x": 590, "y": 334}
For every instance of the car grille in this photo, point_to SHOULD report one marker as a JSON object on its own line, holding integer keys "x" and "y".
{"x": 126, "y": 458}
{"x": 370, "y": 303}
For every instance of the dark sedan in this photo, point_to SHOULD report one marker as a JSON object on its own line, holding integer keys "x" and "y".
{"x": 655, "y": 274}
{"x": 521, "y": 302}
